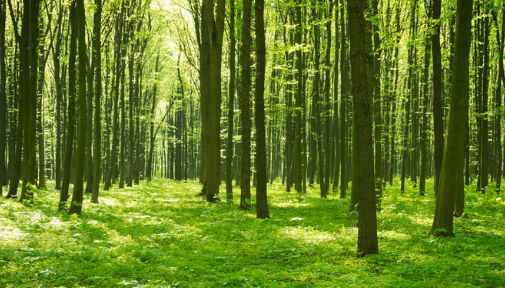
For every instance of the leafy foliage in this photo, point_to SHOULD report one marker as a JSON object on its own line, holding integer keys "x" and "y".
{"x": 160, "y": 235}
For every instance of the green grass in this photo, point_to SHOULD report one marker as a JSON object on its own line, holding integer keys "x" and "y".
{"x": 161, "y": 235}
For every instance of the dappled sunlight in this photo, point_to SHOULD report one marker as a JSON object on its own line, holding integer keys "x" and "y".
{"x": 161, "y": 230}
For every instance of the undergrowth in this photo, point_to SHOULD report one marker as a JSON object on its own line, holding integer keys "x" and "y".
{"x": 159, "y": 234}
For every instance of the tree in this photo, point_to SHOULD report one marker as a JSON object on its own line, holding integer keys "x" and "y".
{"x": 456, "y": 123}
{"x": 3, "y": 95}
{"x": 97, "y": 54}
{"x": 77, "y": 195}
{"x": 437, "y": 93}
{"x": 210, "y": 87}
{"x": 261, "y": 153}
{"x": 231, "y": 95}
{"x": 71, "y": 109}
{"x": 363, "y": 172}
{"x": 245, "y": 114}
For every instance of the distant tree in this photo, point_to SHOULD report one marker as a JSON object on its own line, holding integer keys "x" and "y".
{"x": 456, "y": 123}
{"x": 231, "y": 107}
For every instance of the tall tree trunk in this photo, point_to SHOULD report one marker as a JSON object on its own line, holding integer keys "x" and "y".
{"x": 210, "y": 57}
{"x": 363, "y": 174}
{"x": 77, "y": 196}
{"x": 437, "y": 94}
{"x": 69, "y": 143}
{"x": 456, "y": 123}
{"x": 97, "y": 55}
{"x": 3, "y": 96}
{"x": 377, "y": 108}
{"x": 336, "y": 124}
{"x": 152, "y": 134}
{"x": 425, "y": 124}
{"x": 29, "y": 91}
{"x": 483, "y": 169}
{"x": 231, "y": 93}
{"x": 343, "y": 105}
{"x": 245, "y": 169}
{"x": 501, "y": 76}
{"x": 261, "y": 153}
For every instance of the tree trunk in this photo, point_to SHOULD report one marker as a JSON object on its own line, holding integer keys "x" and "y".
{"x": 343, "y": 106}
{"x": 3, "y": 96}
{"x": 245, "y": 182}
{"x": 437, "y": 94}
{"x": 377, "y": 108}
{"x": 97, "y": 151}
{"x": 261, "y": 153}
{"x": 363, "y": 174}
{"x": 231, "y": 107}
{"x": 456, "y": 123}
{"x": 210, "y": 57}
{"x": 77, "y": 196}
{"x": 71, "y": 109}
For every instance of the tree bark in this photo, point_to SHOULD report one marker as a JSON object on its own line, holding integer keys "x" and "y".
{"x": 77, "y": 196}
{"x": 363, "y": 174}
{"x": 437, "y": 94}
{"x": 261, "y": 153}
{"x": 456, "y": 123}
{"x": 210, "y": 57}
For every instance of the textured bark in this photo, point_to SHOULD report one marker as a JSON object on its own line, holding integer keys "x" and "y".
{"x": 212, "y": 41}
{"x": 29, "y": 92}
{"x": 77, "y": 196}
{"x": 456, "y": 123}
{"x": 261, "y": 153}
{"x": 363, "y": 172}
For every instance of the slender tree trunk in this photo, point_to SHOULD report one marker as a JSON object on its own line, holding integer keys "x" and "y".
{"x": 456, "y": 123}
{"x": 77, "y": 196}
{"x": 245, "y": 182}
{"x": 261, "y": 155}
{"x": 501, "y": 75}
{"x": 437, "y": 94}
{"x": 377, "y": 108}
{"x": 97, "y": 151}
{"x": 3, "y": 96}
{"x": 425, "y": 124}
{"x": 71, "y": 110}
{"x": 231, "y": 107}
{"x": 343, "y": 105}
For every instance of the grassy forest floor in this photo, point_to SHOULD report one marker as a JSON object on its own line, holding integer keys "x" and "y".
{"x": 161, "y": 235}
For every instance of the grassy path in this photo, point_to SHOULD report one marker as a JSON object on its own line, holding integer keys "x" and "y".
{"x": 161, "y": 235}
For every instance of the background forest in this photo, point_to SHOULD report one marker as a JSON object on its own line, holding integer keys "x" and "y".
{"x": 369, "y": 102}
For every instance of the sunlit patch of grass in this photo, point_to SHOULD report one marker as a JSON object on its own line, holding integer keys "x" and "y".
{"x": 159, "y": 234}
